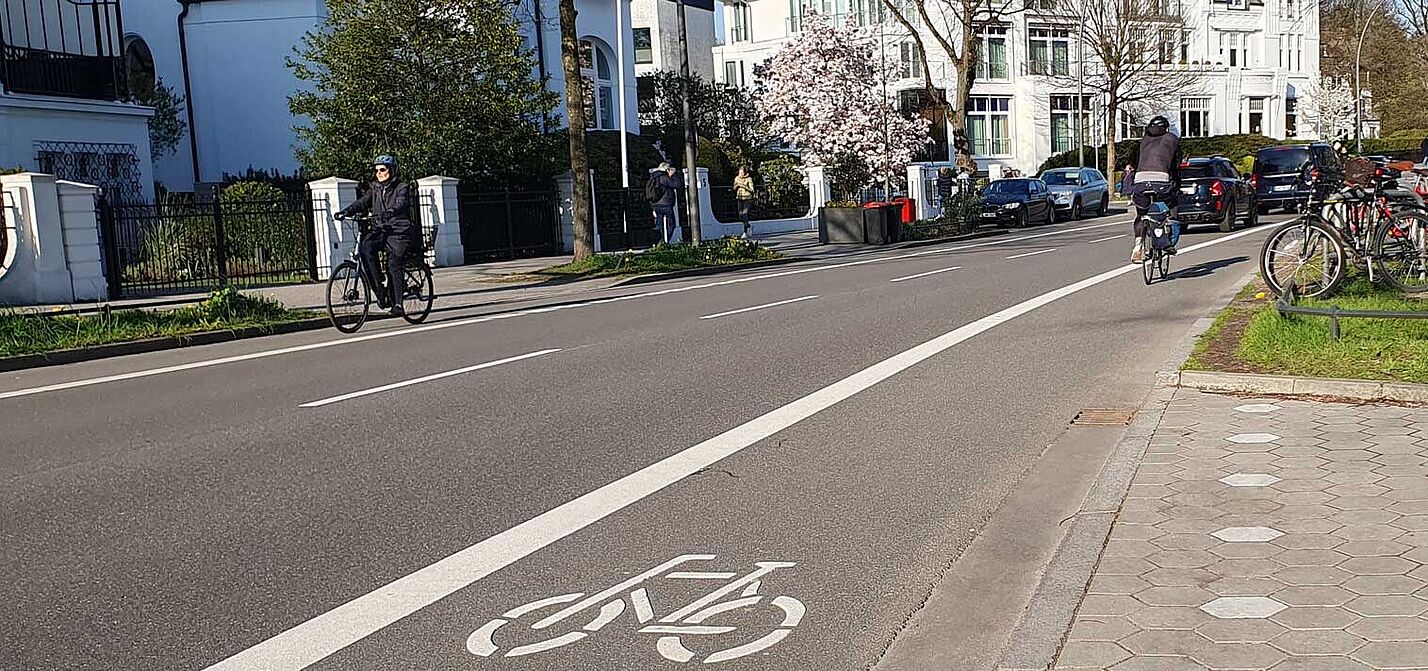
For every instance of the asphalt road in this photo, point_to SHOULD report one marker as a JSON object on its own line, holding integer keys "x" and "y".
{"x": 263, "y": 504}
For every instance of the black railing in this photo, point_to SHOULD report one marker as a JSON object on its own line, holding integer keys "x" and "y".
{"x": 62, "y": 48}
{"x": 186, "y": 245}
{"x": 509, "y": 224}
{"x": 625, "y": 219}
{"x": 1285, "y": 306}
{"x": 768, "y": 203}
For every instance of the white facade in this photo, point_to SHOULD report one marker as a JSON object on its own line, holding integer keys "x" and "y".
{"x": 1258, "y": 57}
{"x": 656, "y": 37}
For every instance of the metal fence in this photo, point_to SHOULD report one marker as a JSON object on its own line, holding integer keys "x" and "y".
{"x": 62, "y": 47}
{"x": 624, "y": 219}
{"x": 768, "y": 203}
{"x": 509, "y": 223}
{"x": 182, "y": 244}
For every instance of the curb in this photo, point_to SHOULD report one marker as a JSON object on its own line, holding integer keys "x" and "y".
{"x": 64, "y": 356}
{"x": 989, "y": 233}
{"x": 1285, "y": 385}
{"x": 706, "y": 270}
{"x": 1038, "y": 637}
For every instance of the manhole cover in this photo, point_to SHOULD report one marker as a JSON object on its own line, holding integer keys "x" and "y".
{"x": 1104, "y": 417}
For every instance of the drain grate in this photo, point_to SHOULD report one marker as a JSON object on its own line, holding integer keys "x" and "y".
{"x": 1104, "y": 417}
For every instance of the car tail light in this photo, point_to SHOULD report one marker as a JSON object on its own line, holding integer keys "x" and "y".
{"x": 1184, "y": 164}
{"x": 1217, "y": 191}
{"x": 1254, "y": 181}
{"x": 1314, "y": 174}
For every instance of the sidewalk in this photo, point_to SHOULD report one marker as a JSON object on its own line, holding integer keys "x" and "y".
{"x": 1284, "y": 535}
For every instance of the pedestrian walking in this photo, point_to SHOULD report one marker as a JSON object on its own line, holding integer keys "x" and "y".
{"x": 1127, "y": 178}
{"x": 744, "y": 196}
{"x": 660, "y": 192}
{"x": 945, "y": 187}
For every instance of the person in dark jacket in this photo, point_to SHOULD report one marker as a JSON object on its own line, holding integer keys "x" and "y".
{"x": 660, "y": 192}
{"x": 1156, "y": 177}
{"x": 390, "y": 203}
{"x": 1423, "y": 149}
{"x": 946, "y": 186}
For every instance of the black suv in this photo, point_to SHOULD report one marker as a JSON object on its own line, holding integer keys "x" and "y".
{"x": 1213, "y": 192}
{"x": 1286, "y": 176}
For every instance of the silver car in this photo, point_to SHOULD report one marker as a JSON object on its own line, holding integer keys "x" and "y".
{"x": 1078, "y": 191}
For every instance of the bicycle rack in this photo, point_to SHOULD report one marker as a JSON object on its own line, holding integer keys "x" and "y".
{"x": 1285, "y": 306}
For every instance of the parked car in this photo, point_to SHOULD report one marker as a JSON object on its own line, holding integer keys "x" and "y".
{"x": 1213, "y": 192}
{"x": 1017, "y": 202}
{"x": 1286, "y": 176}
{"x": 1379, "y": 159}
{"x": 1077, "y": 191}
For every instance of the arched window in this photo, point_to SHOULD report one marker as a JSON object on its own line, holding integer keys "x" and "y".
{"x": 138, "y": 66}
{"x": 596, "y": 67}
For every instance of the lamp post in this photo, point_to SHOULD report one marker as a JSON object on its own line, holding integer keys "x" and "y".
{"x": 1080, "y": 84}
{"x": 1358, "y": 85}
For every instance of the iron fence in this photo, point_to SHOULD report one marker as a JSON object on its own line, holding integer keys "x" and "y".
{"x": 625, "y": 220}
{"x": 509, "y": 223}
{"x": 768, "y": 203}
{"x": 182, "y": 244}
{"x": 62, "y": 47}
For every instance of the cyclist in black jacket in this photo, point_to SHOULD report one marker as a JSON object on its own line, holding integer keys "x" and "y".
{"x": 1157, "y": 176}
{"x": 390, "y": 202}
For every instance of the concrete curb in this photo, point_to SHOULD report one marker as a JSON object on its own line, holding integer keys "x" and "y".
{"x": 1037, "y": 639}
{"x": 1284, "y": 385}
{"x": 59, "y": 357}
{"x": 707, "y": 270}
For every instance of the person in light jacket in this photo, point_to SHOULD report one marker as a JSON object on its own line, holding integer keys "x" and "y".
{"x": 744, "y": 195}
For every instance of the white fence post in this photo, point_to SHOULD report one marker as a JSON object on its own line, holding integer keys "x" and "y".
{"x": 335, "y": 241}
{"x": 38, "y": 273}
{"x": 78, "y": 220}
{"x": 440, "y": 206}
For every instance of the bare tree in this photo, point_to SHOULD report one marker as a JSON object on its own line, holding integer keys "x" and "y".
{"x": 1331, "y": 104}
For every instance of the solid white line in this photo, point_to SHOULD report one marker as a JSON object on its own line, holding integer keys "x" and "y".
{"x": 1039, "y": 251}
{"x": 930, "y": 272}
{"x": 1113, "y": 237}
{"x": 316, "y": 639}
{"x": 428, "y": 378}
{"x": 509, "y": 315}
{"x": 759, "y": 307}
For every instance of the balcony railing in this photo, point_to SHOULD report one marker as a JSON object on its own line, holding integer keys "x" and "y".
{"x": 70, "y": 48}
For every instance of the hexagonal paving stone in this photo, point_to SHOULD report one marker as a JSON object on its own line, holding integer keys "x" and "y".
{"x": 1182, "y": 559}
{"x": 1165, "y": 642}
{"x": 1364, "y": 517}
{"x": 1091, "y": 654}
{"x": 1394, "y": 655}
{"x": 1373, "y": 548}
{"x": 1318, "y": 642}
{"x": 1318, "y": 664}
{"x": 1235, "y": 607}
{"x": 1249, "y": 480}
{"x": 1168, "y": 617}
{"x": 1240, "y": 631}
{"x": 1117, "y": 584}
{"x": 1315, "y": 617}
{"x": 1248, "y": 438}
{"x": 1378, "y": 566}
{"x": 1309, "y": 542}
{"x": 1313, "y": 575}
{"x": 1322, "y": 595}
{"x": 1391, "y": 628}
{"x": 1180, "y": 577}
{"x": 1311, "y": 558}
{"x": 1257, "y": 408}
{"x": 1239, "y": 656}
{"x": 1158, "y": 664}
{"x": 1247, "y": 550}
{"x": 1246, "y": 568}
{"x": 1383, "y": 584}
{"x": 1184, "y": 542}
{"x": 1245, "y": 586}
{"x": 1101, "y": 629}
{"x": 1308, "y": 526}
{"x": 1369, "y": 532}
{"x": 1247, "y": 534}
{"x": 1388, "y": 605}
{"x": 1412, "y": 523}
{"x": 1108, "y": 605}
{"x": 1173, "y": 596}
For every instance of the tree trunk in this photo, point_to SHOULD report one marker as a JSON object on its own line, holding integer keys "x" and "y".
{"x": 966, "y": 72}
{"x": 575, "y": 114}
{"x": 1113, "y": 106}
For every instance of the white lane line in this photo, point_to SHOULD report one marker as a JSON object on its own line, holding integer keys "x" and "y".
{"x": 1039, "y": 251}
{"x": 427, "y": 378}
{"x": 314, "y": 640}
{"x": 930, "y": 272}
{"x": 509, "y": 315}
{"x": 1113, "y": 237}
{"x": 759, "y": 307}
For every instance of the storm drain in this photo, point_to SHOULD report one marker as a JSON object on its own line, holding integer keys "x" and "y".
{"x": 1104, "y": 417}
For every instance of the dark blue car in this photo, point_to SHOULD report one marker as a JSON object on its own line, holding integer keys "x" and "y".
{"x": 1017, "y": 202}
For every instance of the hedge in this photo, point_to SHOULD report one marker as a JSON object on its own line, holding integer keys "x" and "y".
{"x": 1237, "y": 148}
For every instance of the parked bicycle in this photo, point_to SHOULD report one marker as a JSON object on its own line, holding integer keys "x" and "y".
{"x": 350, "y": 291}
{"x": 1368, "y": 222}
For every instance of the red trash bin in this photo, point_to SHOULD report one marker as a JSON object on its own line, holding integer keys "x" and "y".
{"x": 909, "y": 208}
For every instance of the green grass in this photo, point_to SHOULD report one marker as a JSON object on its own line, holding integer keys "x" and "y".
{"x": 1260, "y": 340}
{"x": 666, "y": 258}
{"x": 226, "y": 309}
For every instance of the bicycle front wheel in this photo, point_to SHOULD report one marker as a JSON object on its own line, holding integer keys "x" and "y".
{"x": 418, "y": 294}
{"x": 348, "y": 298}
{"x": 1306, "y": 253}
{"x": 1401, "y": 251}
{"x": 1147, "y": 264}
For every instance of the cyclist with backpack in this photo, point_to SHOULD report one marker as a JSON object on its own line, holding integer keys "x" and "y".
{"x": 660, "y": 193}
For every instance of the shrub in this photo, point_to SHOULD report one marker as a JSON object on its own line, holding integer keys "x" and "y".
{"x": 1233, "y": 147}
{"x": 262, "y": 229}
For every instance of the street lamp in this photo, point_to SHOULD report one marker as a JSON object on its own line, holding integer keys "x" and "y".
{"x": 1358, "y": 86}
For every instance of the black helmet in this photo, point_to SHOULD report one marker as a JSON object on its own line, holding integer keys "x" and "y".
{"x": 1158, "y": 126}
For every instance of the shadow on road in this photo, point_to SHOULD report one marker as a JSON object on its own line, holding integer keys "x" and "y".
{"x": 1207, "y": 268}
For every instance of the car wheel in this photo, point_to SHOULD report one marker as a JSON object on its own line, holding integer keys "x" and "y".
{"x": 1075, "y": 209}
{"x": 1051, "y": 213}
{"x": 1262, "y": 209}
{"x": 1021, "y": 218}
{"x": 1252, "y": 219}
{"x": 1105, "y": 205}
{"x": 1228, "y": 223}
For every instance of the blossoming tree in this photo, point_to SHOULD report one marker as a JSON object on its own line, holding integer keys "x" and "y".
{"x": 823, "y": 94}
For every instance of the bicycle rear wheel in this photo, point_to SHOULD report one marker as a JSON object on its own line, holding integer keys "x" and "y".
{"x": 418, "y": 294}
{"x": 348, "y": 298}
{"x": 1307, "y": 253}
{"x": 1148, "y": 262}
{"x": 1163, "y": 264}
{"x": 1401, "y": 251}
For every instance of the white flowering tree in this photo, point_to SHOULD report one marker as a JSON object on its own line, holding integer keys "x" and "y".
{"x": 1331, "y": 106}
{"x": 822, "y": 93}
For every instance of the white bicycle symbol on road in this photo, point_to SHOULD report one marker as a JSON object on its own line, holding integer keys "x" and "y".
{"x": 687, "y": 621}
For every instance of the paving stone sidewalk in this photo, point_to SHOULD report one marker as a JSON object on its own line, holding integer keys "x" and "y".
{"x": 1266, "y": 534}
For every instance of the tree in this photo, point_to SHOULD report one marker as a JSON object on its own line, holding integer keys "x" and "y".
{"x": 445, "y": 85}
{"x": 725, "y": 115}
{"x": 1135, "y": 57}
{"x": 166, "y": 126}
{"x": 1331, "y": 107}
{"x": 820, "y": 93}
{"x": 575, "y": 85}
{"x": 1390, "y": 61}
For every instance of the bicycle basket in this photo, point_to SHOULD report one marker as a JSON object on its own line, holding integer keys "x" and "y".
{"x": 1159, "y": 232}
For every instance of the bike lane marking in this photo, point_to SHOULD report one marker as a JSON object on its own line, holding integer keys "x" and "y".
{"x": 1039, "y": 251}
{"x": 316, "y": 639}
{"x": 426, "y": 378}
{"x": 774, "y": 304}
{"x": 930, "y": 272}
{"x": 1113, "y": 237}
{"x": 206, "y": 363}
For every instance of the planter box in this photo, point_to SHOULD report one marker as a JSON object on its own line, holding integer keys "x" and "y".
{"x": 840, "y": 225}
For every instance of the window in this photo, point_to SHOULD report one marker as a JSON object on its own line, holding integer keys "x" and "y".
{"x": 740, "y": 32}
{"x": 910, "y": 64}
{"x": 1296, "y": 53}
{"x": 1237, "y": 4}
{"x": 1256, "y": 116}
{"x": 734, "y": 73}
{"x": 1063, "y": 122}
{"x": 1130, "y": 126}
{"x": 1235, "y": 49}
{"x": 1194, "y": 117}
{"x": 138, "y": 65}
{"x": 1291, "y": 117}
{"x": 989, "y": 125}
{"x": 869, "y": 12}
{"x": 1291, "y": 9}
{"x": 1173, "y": 46}
{"x": 992, "y": 53}
{"x": 1050, "y": 51}
{"x": 644, "y": 47}
{"x": 1043, "y": 5}
{"x": 600, "y": 90}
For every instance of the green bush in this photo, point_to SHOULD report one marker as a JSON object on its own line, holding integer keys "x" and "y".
{"x": 1245, "y": 165}
{"x": 1396, "y": 146}
{"x": 1233, "y": 147}
{"x": 665, "y": 257}
{"x": 261, "y": 228}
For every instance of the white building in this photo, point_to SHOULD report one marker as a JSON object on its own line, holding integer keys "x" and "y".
{"x": 656, "y": 36}
{"x": 63, "y": 73}
{"x": 1258, "y": 57}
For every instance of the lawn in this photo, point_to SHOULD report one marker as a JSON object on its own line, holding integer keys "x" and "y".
{"x": 224, "y": 310}
{"x": 1250, "y": 336}
{"x": 663, "y": 258}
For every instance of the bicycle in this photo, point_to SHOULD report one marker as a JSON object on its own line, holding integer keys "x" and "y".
{"x": 691, "y": 620}
{"x": 1156, "y": 238}
{"x": 1367, "y": 224}
{"x": 349, "y": 290}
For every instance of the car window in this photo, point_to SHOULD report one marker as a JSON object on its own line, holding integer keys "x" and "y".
{"x": 1281, "y": 160}
{"x": 1229, "y": 170}
{"x": 1095, "y": 175}
{"x": 1059, "y": 178}
{"x": 1195, "y": 170}
{"x": 1008, "y": 186}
